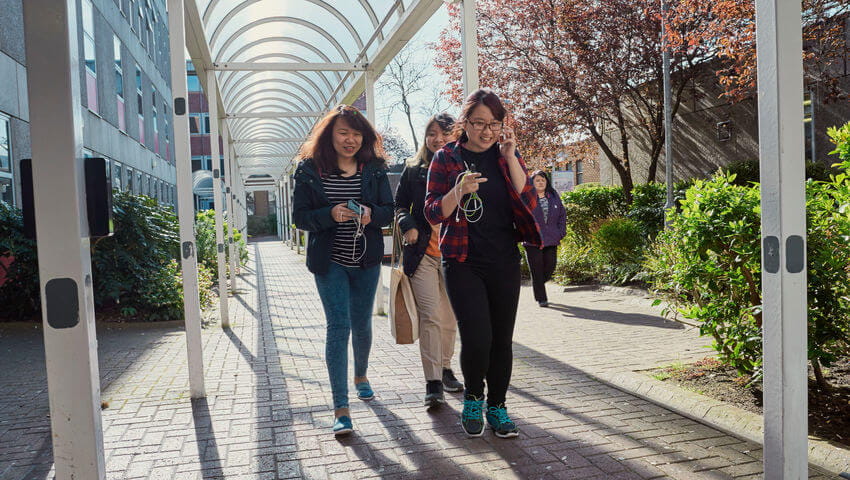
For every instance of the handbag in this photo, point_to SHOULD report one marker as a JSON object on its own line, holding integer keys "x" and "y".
{"x": 404, "y": 319}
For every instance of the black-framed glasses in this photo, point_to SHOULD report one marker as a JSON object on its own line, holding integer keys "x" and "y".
{"x": 479, "y": 126}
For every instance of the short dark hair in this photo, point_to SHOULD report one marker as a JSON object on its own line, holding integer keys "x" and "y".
{"x": 320, "y": 147}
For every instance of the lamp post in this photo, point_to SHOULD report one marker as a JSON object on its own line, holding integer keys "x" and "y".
{"x": 668, "y": 110}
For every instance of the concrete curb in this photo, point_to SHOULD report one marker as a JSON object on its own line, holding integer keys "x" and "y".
{"x": 722, "y": 416}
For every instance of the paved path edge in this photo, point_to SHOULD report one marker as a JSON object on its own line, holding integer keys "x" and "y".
{"x": 722, "y": 416}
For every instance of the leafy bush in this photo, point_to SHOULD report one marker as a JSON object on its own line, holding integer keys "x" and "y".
{"x": 708, "y": 262}
{"x": 19, "y": 294}
{"x": 618, "y": 246}
{"x": 647, "y": 208}
{"x": 205, "y": 239}
{"x": 709, "y": 265}
{"x": 747, "y": 171}
{"x": 828, "y": 251}
{"x": 134, "y": 271}
{"x": 574, "y": 264}
{"x": 587, "y": 206}
{"x": 266, "y": 225}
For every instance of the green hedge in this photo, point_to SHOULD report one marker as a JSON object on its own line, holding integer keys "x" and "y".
{"x": 205, "y": 240}
{"x": 708, "y": 264}
{"x": 135, "y": 271}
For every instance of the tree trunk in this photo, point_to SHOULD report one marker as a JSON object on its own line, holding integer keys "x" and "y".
{"x": 406, "y": 108}
{"x": 823, "y": 384}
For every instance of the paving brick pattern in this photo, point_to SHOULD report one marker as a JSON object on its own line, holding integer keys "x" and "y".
{"x": 267, "y": 414}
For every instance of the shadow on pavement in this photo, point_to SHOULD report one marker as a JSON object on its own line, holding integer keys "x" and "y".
{"x": 208, "y": 454}
{"x": 636, "y": 319}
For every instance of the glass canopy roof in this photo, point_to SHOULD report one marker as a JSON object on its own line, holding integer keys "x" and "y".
{"x": 281, "y": 63}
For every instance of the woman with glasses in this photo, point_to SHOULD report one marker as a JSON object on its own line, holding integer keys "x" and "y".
{"x": 437, "y": 325}
{"x": 342, "y": 197}
{"x": 479, "y": 191}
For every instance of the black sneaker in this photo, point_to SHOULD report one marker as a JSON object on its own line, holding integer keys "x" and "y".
{"x": 472, "y": 417}
{"x": 450, "y": 383}
{"x": 500, "y": 422}
{"x": 434, "y": 394}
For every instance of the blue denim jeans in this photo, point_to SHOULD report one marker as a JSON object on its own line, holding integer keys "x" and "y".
{"x": 348, "y": 295}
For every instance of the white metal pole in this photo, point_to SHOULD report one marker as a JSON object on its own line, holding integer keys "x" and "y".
{"x": 64, "y": 259}
{"x": 469, "y": 44}
{"x": 218, "y": 206}
{"x": 369, "y": 78}
{"x": 185, "y": 210}
{"x": 279, "y": 203}
{"x": 668, "y": 110}
{"x": 783, "y": 205}
{"x": 232, "y": 248}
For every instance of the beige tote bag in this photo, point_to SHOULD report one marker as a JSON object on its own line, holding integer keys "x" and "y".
{"x": 404, "y": 320}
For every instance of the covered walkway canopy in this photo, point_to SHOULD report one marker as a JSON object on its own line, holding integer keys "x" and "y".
{"x": 270, "y": 68}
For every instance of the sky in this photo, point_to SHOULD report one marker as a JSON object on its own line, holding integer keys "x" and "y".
{"x": 430, "y": 32}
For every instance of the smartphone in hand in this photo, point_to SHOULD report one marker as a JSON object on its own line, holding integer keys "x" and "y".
{"x": 355, "y": 207}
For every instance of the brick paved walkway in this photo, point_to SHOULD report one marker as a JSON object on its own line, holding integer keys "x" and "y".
{"x": 267, "y": 415}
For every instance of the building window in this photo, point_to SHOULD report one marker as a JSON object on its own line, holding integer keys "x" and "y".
{"x": 7, "y": 193}
{"x": 139, "y": 184}
{"x": 131, "y": 184}
{"x": 119, "y": 84}
{"x": 139, "y": 105}
{"x": 89, "y": 54}
{"x": 579, "y": 172}
{"x": 150, "y": 35}
{"x": 166, "y": 132}
{"x": 116, "y": 175}
{"x": 141, "y": 30}
{"x": 809, "y": 126}
{"x": 193, "y": 84}
{"x": 154, "y": 118}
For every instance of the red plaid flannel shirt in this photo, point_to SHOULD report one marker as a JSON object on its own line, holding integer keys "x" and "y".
{"x": 442, "y": 174}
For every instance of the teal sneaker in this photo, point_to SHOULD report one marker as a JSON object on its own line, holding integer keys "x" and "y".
{"x": 364, "y": 391}
{"x": 500, "y": 422}
{"x": 472, "y": 418}
{"x": 342, "y": 425}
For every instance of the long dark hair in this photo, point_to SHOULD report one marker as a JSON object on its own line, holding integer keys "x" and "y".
{"x": 549, "y": 188}
{"x": 446, "y": 123}
{"x": 320, "y": 146}
{"x": 482, "y": 96}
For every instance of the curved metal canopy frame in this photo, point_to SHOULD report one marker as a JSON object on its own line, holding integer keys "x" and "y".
{"x": 316, "y": 52}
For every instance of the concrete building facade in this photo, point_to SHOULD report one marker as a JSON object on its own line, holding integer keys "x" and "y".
{"x": 125, "y": 83}
{"x": 709, "y": 132}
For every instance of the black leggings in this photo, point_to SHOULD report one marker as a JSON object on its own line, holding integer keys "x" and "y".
{"x": 541, "y": 263}
{"x": 484, "y": 299}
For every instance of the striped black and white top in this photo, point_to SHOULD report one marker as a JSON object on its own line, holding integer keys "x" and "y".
{"x": 347, "y": 250}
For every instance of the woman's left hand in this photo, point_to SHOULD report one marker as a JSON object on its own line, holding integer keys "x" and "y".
{"x": 507, "y": 143}
{"x": 367, "y": 215}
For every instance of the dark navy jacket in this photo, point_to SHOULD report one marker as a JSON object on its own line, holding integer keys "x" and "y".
{"x": 311, "y": 211}
{"x": 409, "y": 204}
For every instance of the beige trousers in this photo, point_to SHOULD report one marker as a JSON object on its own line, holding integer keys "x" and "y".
{"x": 437, "y": 324}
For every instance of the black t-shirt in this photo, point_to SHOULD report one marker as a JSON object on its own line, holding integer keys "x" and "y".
{"x": 491, "y": 238}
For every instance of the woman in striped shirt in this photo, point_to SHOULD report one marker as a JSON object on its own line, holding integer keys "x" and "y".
{"x": 343, "y": 198}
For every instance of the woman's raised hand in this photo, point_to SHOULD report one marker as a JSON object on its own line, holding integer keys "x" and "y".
{"x": 470, "y": 182}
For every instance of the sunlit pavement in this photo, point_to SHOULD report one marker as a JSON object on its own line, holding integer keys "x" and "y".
{"x": 268, "y": 416}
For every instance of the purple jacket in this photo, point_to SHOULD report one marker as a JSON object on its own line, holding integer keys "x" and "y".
{"x": 553, "y": 230}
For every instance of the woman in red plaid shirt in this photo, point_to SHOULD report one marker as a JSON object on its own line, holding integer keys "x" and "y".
{"x": 479, "y": 191}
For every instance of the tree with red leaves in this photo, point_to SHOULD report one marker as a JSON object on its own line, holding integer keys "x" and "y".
{"x": 726, "y": 31}
{"x": 574, "y": 69}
